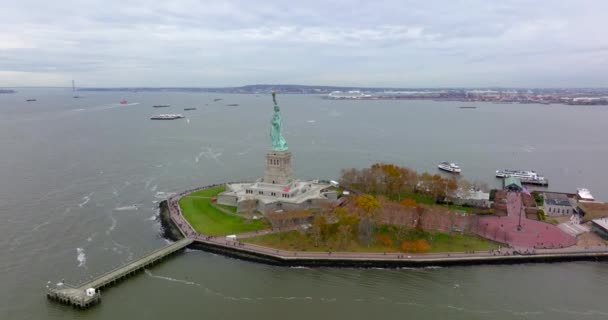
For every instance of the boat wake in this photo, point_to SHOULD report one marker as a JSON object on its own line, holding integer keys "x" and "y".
{"x": 81, "y": 257}
{"x": 210, "y": 154}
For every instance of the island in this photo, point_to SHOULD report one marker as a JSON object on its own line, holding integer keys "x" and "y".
{"x": 383, "y": 215}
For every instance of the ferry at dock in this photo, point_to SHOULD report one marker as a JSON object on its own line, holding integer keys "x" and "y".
{"x": 167, "y": 116}
{"x": 525, "y": 176}
{"x": 449, "y": 167}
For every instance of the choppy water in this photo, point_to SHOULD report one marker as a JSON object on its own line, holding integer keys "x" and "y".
{"x": 81, "y": 179}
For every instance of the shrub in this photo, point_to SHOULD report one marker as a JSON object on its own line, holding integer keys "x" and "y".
{"x": 541, "y": 214}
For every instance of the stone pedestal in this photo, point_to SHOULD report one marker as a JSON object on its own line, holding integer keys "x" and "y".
{"x": 278, "y": 168}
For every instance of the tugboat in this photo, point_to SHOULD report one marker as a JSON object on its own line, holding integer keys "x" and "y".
{"x": 449, "y": 167}
{"x": 167, "y": 116}
{"x": 124, "y": 101}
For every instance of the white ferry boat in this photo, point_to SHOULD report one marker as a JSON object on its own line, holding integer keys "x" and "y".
{"x": 449, "y": 167}
{"x": 525, "y": 176}
{"x": 167, "y": 116}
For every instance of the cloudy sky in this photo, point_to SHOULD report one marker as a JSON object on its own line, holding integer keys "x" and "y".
{"x": 451, "y": 43}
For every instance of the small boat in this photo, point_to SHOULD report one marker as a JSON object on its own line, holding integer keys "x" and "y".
{"x": 468, "y": 107}
{"x": 167, "y": 116}
{"x": 76, "y": 97}
{"x": 124, "y": 101}
{"x": 188, "y": 109}
{"x": 161, "y": 106}
{"x": 30, "y": 100}
{"x": 233, "y": 105}
{"x": 216, "y": 99}
{"x": 449, "y": 167}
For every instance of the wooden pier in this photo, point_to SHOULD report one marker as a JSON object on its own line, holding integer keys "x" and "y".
{"x": 83, "y": 297}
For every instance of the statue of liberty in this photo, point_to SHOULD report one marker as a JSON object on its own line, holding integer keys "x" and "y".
{"x": 278, "y": 142}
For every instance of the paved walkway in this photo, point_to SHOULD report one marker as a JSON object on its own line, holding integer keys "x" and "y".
{"x": 519, "y": 231}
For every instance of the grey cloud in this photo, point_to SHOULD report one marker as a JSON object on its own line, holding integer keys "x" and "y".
{"x": 447, "y": 43}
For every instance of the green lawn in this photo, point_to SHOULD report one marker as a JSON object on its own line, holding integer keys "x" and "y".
{"x": 440, "y": 242}
{"x": 197, "y": 209}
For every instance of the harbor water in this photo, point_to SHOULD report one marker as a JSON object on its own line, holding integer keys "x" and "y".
{"x": 82, "y": 178}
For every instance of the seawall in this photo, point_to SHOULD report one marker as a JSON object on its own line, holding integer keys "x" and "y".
{"x": 291, "y": 259}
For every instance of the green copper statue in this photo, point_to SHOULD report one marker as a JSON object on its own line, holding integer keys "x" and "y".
{"x": 278, "y": 142}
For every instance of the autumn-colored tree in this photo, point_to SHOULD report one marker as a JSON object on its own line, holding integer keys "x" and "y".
{"x": 316, "y": 230}
{"x": 406, "y": 246}
{"x": 344, "y": 236}
{"x": 367, "y": 203}
{"x": 409, "y": 203}
{"x": 418, "y": 246}
{"x": 385, "y": 240}
{"x": 366, "y": 230}
{"x": 346, "y": 218}
{"x": 421, "y": 245}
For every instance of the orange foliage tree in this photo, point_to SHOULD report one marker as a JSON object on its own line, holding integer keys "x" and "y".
{"x": 418, "y": 246}
{"x": 410, "y": 203}
{"x": 385, "y": 240}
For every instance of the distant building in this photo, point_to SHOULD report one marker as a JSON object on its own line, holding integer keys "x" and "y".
{"x": 558, "y": 204}
{"x": 474, "y": 198}
{"x": 600, "y": 227}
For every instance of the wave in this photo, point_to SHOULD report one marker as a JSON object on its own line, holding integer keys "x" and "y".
{"x": 163, "y": 195}
{"x": 112, "y": 226}
{"x": 81, "y": 257}
{"x": 126, "y": 208}
{"x": 85, "y": 199}
{"x": 40, "y": 225}
{"x": 154, "y": 188}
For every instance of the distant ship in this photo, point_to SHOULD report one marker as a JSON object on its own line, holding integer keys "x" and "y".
{"x": 216, "y": 99}
{"x": 30, "y": 100}
{"x": 161, "y": 106}
{"x": 468, "y": 107}
{"x": 449, "y": 167}
{"x": 74, "y": 90}
{"x": 188, "y": 109}
{"x": 353, "y": 94}
{"x": 167, "y": 116}
{"x": 124, "y": 101}
{"x": 233, "y": 105}
{"x": 525, "y": 176}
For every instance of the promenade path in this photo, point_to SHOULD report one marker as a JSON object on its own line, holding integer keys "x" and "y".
{"x": 519, "y": 231}
{"x": 535, "y": 227}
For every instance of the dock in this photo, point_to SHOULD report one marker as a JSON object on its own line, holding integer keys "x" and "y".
{"x": 88, "y": 293}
